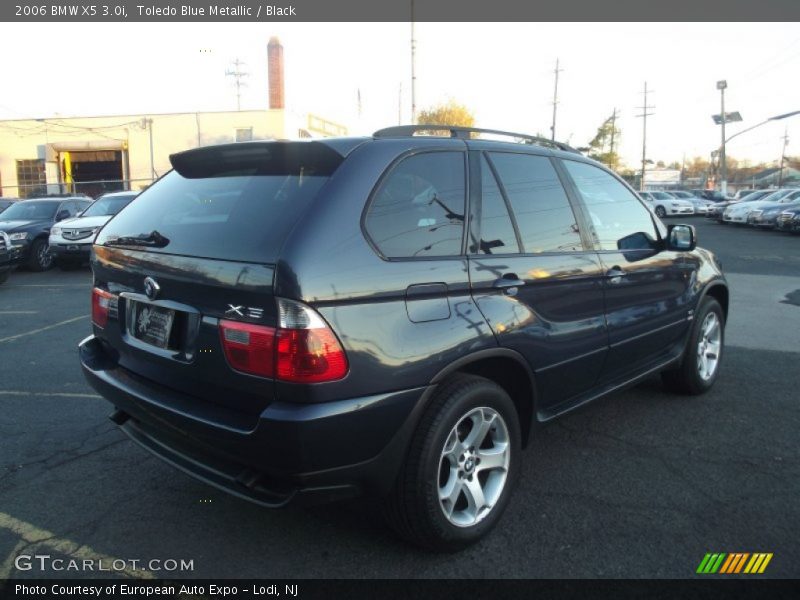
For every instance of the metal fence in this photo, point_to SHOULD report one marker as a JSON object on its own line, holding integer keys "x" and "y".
{"x": 93, "y": 189}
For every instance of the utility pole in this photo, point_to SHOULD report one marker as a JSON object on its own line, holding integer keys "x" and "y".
{"x": 555, "y": 102}
{"x": 613, "y": 128}
{"x": 645, "y": 107}
{"x": 238, "y": 75}
{"x": 148, "y": 124}
{"x": 785, "y": 139}
{"x": 413, "y": 69}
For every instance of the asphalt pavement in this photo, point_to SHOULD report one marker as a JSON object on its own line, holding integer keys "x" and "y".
{"x": 640, "y": 484}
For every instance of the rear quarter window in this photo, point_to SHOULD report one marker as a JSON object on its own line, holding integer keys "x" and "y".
{"x": 418, "y": 209}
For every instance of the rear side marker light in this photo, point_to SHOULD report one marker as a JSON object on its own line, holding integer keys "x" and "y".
{"x": 302, "y": 349}
{"x": 102, "y": 303}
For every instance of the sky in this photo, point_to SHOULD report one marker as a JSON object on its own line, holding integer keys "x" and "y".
{"x": 503, "y": 72}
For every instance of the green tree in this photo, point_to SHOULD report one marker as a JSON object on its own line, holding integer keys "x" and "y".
{"x": 449, "y": 113}
{"x": 603, "y": 146}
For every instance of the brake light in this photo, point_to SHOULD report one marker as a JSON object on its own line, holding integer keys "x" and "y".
{"x": 102, "y": 302}
{"x": 302, "y": 349}
{"x": 249, "y": 348}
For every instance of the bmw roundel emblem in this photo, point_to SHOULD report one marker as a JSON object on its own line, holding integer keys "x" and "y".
{"x": 151, "y": 288}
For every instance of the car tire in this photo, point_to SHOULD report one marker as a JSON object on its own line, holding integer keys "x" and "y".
{"x": 4, "y": 275}
{"x": 464, "y": 409}
{"x": 40, "y": 258}
{"x": 661, "y": 212}
{"x": 705, "y": 349}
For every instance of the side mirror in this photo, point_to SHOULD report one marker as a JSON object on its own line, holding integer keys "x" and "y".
{"x": 62, "y": 214}
{"x": 681, "y": 238}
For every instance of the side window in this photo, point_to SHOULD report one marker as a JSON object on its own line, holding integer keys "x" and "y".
{"x": 497, "y": 232}
{"x": 419, "y": 208}
{"x": 65, "y": 210}
{"x": 615, "y": 212}
{"x": 544, "y": 216}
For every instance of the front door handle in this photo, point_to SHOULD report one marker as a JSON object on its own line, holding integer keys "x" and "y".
{"x": 615, "y": 274}
{"x": 509, "y": 283}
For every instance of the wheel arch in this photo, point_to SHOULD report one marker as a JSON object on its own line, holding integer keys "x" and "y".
{"x": 718, "y": 290}
{"x": 507, "y": 369}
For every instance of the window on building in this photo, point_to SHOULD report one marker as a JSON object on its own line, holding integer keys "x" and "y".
{"x": 419, "y": 209}
{"x": 244, "y": 134}
{"x": 31, "y": 178}
{"x": 539, "y": 203}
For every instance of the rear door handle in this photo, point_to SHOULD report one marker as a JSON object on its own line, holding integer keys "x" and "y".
{"x": 508, "y": 283}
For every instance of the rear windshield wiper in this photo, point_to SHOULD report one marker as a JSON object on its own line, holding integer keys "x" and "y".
{"x": 152, "y": 239}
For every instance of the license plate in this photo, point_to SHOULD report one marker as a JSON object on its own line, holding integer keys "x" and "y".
{"x": 151, "y": 324}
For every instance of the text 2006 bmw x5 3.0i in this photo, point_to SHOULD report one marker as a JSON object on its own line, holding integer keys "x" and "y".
{"x": 392, "y": 315}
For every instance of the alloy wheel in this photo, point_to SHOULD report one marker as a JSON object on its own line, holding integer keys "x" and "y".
{"x": 43, "y": 257}
{"x": 473, "y": 466}
{"x": 709, "y": 346}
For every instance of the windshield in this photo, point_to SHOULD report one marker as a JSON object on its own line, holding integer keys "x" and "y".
{"x": 106, "y": 206}
{"x": 775, "y": 196}
{"x": 662, "y": 196}
{"x": 30, "y": 210}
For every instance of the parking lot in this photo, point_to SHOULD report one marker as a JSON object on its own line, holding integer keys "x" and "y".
{"x": 641, "y": 484}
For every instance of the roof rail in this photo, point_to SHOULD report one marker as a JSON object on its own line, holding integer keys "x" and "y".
{"x": 464, "y": 134}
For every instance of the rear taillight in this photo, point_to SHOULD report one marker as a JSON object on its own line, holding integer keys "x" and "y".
{"x": 102, "y": 303}
{"x": 249, "y": 348}
{"x": 303, "y": 349}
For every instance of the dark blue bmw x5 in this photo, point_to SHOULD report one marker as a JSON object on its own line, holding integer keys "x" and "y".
{"x": 392, "y": 315}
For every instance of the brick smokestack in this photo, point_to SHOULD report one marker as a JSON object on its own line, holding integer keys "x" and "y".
{"x": 275, "y": 69}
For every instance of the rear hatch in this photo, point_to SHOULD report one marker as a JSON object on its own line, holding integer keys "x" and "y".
{"x": 200, "y": 245}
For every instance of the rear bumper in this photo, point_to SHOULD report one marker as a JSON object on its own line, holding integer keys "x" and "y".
{"x": 307, "y": 453}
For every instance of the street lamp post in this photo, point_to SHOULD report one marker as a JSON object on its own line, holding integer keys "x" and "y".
{"x": 723, "y": 186}
{"x": 721, "y": 149}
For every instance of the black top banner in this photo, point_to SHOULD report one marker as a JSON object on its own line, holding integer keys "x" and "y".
{"x": 397, "y": 10}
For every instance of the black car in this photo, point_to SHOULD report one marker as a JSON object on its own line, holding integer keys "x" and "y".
{"x": 5, "y": 203}
{"x": 391, "y": 315}
{"x": 789, "y": 220}
{"x": 27, "y": 224}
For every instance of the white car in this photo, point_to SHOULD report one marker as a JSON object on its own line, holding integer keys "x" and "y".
{"x": 71, "y": 240}
{"x": 665, "y": 205}
{"x": 700, "y": 204}
{"x": 737, "y": 213}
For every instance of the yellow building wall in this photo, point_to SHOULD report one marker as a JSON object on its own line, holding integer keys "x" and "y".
{"x": 32, "y": 139}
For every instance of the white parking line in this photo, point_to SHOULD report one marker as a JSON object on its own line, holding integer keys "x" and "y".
{"x": 48, "y": 394}
{"x": 33, "y": 537}
{"x": 19, "y": 312}
{"x": 20, "y": 335}
{"x": 46, "y": 285}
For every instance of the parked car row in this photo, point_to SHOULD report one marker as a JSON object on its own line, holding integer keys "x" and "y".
{"x": 769, "y": 209}
{"x": 672, "y": 203}
{"x": 37, "y": 232}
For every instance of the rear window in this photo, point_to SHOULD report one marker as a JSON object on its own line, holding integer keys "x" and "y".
{"x": 228, "y": 203}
